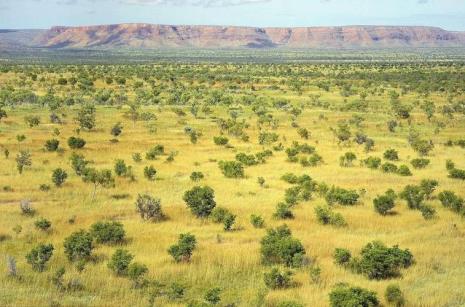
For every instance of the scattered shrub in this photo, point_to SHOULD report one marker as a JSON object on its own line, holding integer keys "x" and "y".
{"x": 420, "y": 163}
{"x": 39, "y": 256}
{"x": 372, "y": 162}
{"x": 452, "y": 202}
{"x": 347, "y": 159}
{"x": 344, "y": 295}
{"x": 389, "y": 168}
{"x": 150, "y": 172}
{"x": 184, "y": 249}
{"x": 394, "y": 296}
{"x": 52, "y": 145}
{"x": 283, "y": 211}
{"x": 220, "y": 140}
{"x": 276, "y": 279}
{"x": 391, "y": 155}
{"x": 341, "y": 196}
{"x": 59, "y": 176}
{"x": 108, "y": 232}
{"x": 201, "y": 200}
{"x": 121, "y": 169}
{"x": 213, "y": 296}
{"x": 43, "y": 224}
{"x": 403, "y": 170}
{"x": 76, "y": 142}
{"x": 342, "y": 256}
{"x": 384, "y": 203}
{"x": 326, "y": 216}
{"x": 231, "y": 169}
{"x": 136, "y": 272}
{"x": 196, "y": 176}
{"x": 279, "y": 247}
{"x": 257, "y": 221}
{"x": 78, "y": 246}
{"x": 149, "y": 208}
{"x": 120, "y": 261}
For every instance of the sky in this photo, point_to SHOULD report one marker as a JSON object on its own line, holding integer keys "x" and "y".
{"x": 42, "y": 14}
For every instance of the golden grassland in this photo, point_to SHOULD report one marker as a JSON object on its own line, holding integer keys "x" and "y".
{"x": 229, "y": 260}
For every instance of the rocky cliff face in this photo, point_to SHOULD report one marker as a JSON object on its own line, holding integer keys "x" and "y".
{"x": 170, "y": 36}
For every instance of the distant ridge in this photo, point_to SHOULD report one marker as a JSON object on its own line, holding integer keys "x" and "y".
{"x": 150, "y": 36}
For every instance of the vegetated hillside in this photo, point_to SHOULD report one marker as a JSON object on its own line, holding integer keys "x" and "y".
{"x": 277, "y": 185}
{"x": 171, "y": 36}
{"x": 18, "y": 38}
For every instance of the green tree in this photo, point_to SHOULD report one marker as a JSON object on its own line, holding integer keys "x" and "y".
{"x": 184, "y": 249}
{"x": 201, "y": 200}
{"x": 39, "y": 256}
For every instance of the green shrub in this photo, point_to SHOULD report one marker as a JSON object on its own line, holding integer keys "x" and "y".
{"x": 59, "y": 176}
{"x": 257, "y": 221}
{"x": 289, "y": 304}
{"x": 245, "y": 159}
{"x": 427, "y": 212}
{"x": 420, "y": 163}
{"x": 326, "y": 216}
{"x": 220, "y": 140}
{"x": 231, "y": 169}
{"x": 346, "y": 296}
{"x": 196, "y": 176}
{"x": 377, "y": 261}
{"x": 342, "y": 256}
{"x": 184, "y": 249}
{"x": 150, "y": 172}
{"x": 52, "y": 145}
{"x": 136, "y": 272}
{"x": 391, "y": 155}
{"x": 78, "y": 246}
{"x": 276, "y": 279}
{"x": 283, "y": 211}
{"x": 389, "y": 168}
{"x": 149, "y": 208}
{"x": 43, "y": 224}
{"x": 429, "y": 186}
{"x": 384, "y": 203}
{"x": 372, "y": 162}
{"x": 154, "y": 152}
{"x": 120, "y": 261}
{"x": 279, "y": 247}
{"x": 414, "y": 195}
{"x": 394, "y": 296}
{"x": 341, "y": 196}
{"x": 39, "y": 256}
{"x": 213, "y": 296}
{"x": 108, "y": 232}
{"x": 457, "y": 173}
{"x": 347, "y": 159}
{"x": 121, "y": 169}
{"x": 452, "y": 202}
{"x": 403, "y": 170}
{"x": 201, "y": 200}
{"x": 76, "y": 142}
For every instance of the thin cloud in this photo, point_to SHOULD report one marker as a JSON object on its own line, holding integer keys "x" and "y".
{"x": 204, "y": 3}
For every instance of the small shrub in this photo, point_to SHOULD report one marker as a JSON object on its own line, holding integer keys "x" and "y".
{"x": 220, "y": 140}
{"x": 43, "y": 224}
{"x": 384, "y": 203}
{"x": 121, "y": 169}
{"x": 78, "y": 246}
{"x": 276, "y": 279}
{"x": 59, "y": 177}
{"x": 150, "y": 172}
{"x": 341, "y": 196}
{"x": 213, "y": 296}
{"x": 420, "y": 163}
{"x": 452, "y": 202}
{"x": 347, "y": 159}
{"x": 257, "y": 221}
{"x": 389, "y": 168}
{"x": 391, "y": 155}
{"x": 26, "y": 207}
{"x": 108, "y": 232}
{"x": 39, "y": 256}
{"x": 136, "y": 272}
{"x": 149, "y": 208}
{"x": 326, "y": 216}
{"x": 403, "y": 170}
{"x": 279, "y": 247}
{"x": 184, "y": 249}
{"x": 372, "y": 162}
{"x": 231, "y": 169}
{"x": 154, "y": 152}
{"x": 414, "y": 195}
{"x": 120, "y": 261}
{"x": 52, "y": 145}
{"x": 342, "y": 256}
{"x": 427, "y": 212}
{"x": 394, "y": 296}
{"x": 201, "y": 200}
{"x": 76, "y": 142}
{"x": 283, "y": 211}
{"x": 429, "y": 186}
{"x": 344, "y": 295}
{"x": 196, "y": 176}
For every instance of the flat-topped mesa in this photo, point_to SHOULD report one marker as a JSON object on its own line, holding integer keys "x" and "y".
{"x": 185, "y": 36}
